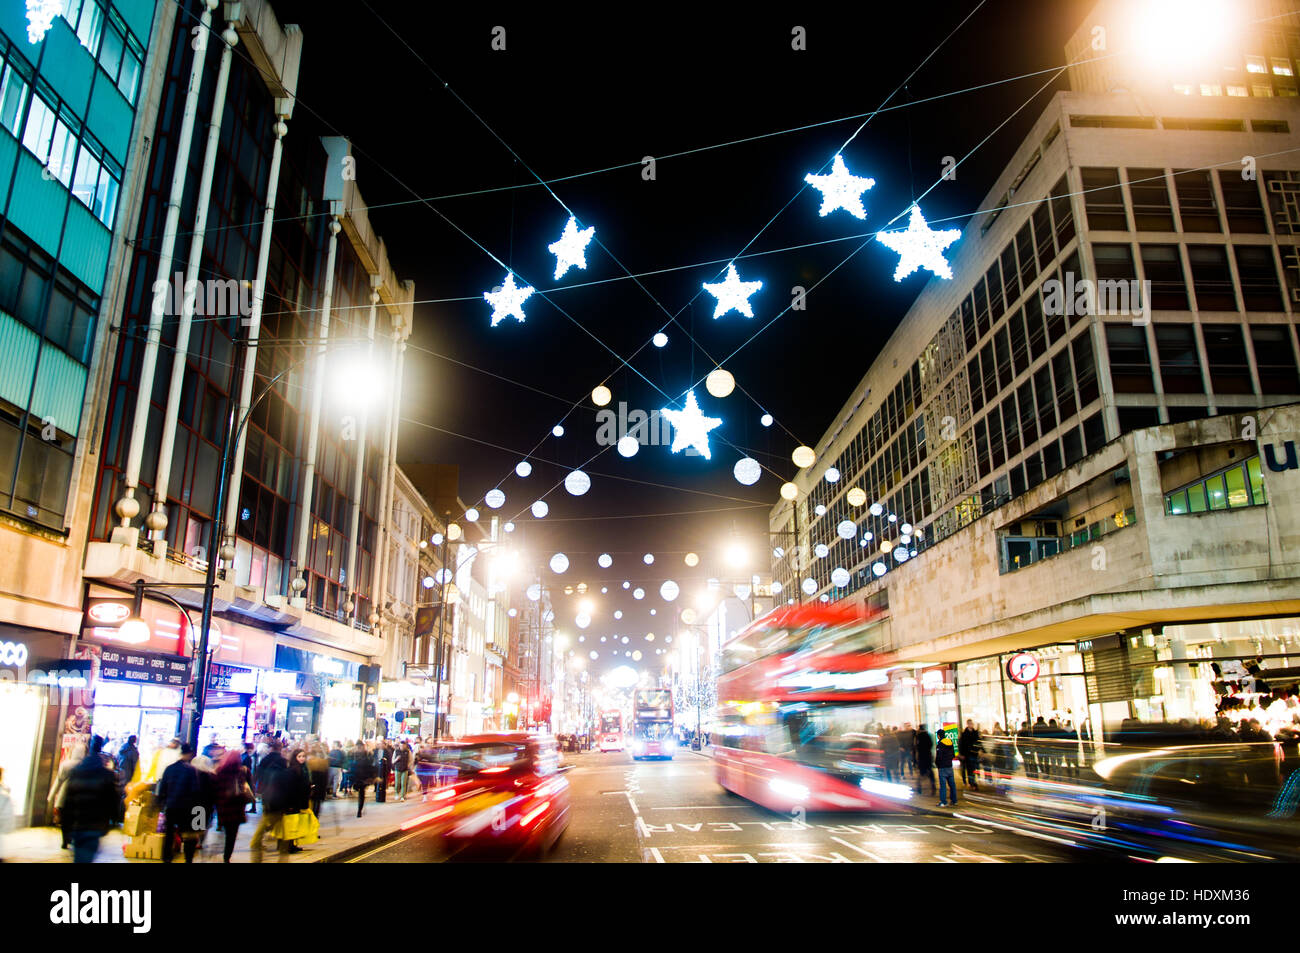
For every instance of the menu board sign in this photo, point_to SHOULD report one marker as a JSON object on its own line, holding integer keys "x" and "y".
{"x": 143, "y": 667}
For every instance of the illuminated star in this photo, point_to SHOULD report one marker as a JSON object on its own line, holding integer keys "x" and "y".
{"x": 840, "y": 189}
{"x": 733, "y": 294}
{"x": 690, "y": 427}
{"x": 919, "y": 246}
{"x": 508, "y": 300}
{"x": 571, "y": 249}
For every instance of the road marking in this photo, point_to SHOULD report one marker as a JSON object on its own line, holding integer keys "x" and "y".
{"x": 699, "y": 807}
{"x": 659, "y": 858}
{"x": 633, "y": 803}
{"x": 390, "y": 844}
{"x": 865, "y": 853}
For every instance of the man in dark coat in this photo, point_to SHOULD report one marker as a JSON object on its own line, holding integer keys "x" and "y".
{"x": 923, "y": 755}
{"x": 270, "y": 788}
{"x": 906, "y": 738}
{"x": 943, "y": 757}
{"x": 362, "y": 769}
{"x": 91, "y": 803}
{"x": 184, "y": 801}
{"x": 968, "y": 746}
{"x": 128, "y": 756}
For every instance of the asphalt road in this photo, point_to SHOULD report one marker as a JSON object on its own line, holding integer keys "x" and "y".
{"x": 674, "y": 812}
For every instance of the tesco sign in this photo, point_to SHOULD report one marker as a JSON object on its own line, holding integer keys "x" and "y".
{"x": 13, "y": 653}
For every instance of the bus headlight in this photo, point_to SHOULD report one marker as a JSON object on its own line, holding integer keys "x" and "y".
{"x": 789, "y": 789}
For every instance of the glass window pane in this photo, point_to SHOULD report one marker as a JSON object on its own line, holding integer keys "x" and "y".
{"x": 40, "y": 127}
{"x": 1217, "y": 495}
{"x": 86, "y": 178}
{"x": 130, "y": 78}
{"x": 1256, "y": 481}
{"x": 13, "y": 96}
{"x": 1237, "y": 495}
{"x": 63, "y": 149}
{"x": 1176, "y": 503}
{"x": 110, "y": 57}
{"x": 90, "y": 27}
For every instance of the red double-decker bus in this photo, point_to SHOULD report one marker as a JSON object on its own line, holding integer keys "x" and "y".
{"x": 611, "y": 731}
{"x": 801, "y": 701}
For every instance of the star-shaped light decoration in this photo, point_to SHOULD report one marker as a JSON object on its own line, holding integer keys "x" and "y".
{"x": 40, "y": 16}
{"x": 508, "y": 300}
{"x": 733, "y": 294}
{"x": 920, "y": 246}
{"x": 840, "y": 189}
{"x": 571, "y": 248}
{"x": 690, "y": 427}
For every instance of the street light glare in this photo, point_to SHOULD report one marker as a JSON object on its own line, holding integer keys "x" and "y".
{"x": 1182, "y": 35}
{"x": 737, "y": 555}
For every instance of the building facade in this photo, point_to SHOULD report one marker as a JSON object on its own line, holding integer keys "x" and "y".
{"x": 1067, "y": 446}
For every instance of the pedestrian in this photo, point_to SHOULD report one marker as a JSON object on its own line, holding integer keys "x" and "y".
{"x": 889, "y": 751}
{"x": 233, "y": 793}
{"x": 181, "y": 796}
{"x": 337, "y": 759}
{"x": 968, "y": 746}
{"x": 248, "y": 761}
{"x": 906, "y": 738}
{"x": 943, "y": 755}
{"x": 383, "y": 767}
{"x": 214, "y": 750}
{"x": 297, "y": 789}
{"x": 59, "y": 794}
{"x": 362, "y": 768}
{"x": 922, "y": 758}
{"x": 89, "y": 803}
{"x": 128, "y": 759}
{"x": 271, "y": 789}
{"x": 402, "y": 768}
{"x": 318, "y": 767}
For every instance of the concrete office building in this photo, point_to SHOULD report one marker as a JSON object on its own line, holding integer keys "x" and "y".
{"x": 1099, "y": 475}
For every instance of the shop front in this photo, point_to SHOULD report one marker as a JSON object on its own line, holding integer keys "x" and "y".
{"x": 401, "y": 708}
{"x": 316, "y": 694}
{"x": 34, "y": 679}
{"x": 141, "y": 693}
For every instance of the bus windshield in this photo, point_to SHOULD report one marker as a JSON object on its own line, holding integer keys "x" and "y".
{"x": 611, "y": 722}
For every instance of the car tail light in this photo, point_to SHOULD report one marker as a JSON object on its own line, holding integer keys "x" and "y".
{"x": 534, "y": 814}
{"x": 494, "y": 770}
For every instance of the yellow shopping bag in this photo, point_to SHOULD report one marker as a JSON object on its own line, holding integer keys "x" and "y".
{"x": 309, "y": 827}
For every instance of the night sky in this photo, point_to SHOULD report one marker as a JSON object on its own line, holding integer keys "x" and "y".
{"x": 574, "y": 93}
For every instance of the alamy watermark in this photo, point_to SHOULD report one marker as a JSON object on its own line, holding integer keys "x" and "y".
{"x": 647, "y": 428}
{"x": 221, "y": 297}
{"x": 1083, "y": 296}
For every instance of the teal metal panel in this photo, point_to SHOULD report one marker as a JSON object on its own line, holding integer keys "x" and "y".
{"x": 37, "y": 205}
{"x": 109, "y": 118}
{"x": 13, "y": 24}
{"x": 138, "y": 15}
{"x": 60, "y": 388}
{"x": 18, "y": 344}
{"x": 8, "y": 150}
{"x": 86, "y": 244}
{"x": 68, "y": 66}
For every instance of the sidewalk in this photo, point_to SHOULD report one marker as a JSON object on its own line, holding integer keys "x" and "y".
{"x": 342, "y": 833}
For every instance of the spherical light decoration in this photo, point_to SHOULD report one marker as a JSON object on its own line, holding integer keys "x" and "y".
{"x": 577, "y": 482}
{"x": 636, "y": 656}
{"x": 540, "y": 509}
{"x": 742, "y": 591}
{"x": 868, "y": 535}
{"x": 648, "y": 558}
{"x": 803, "y": 457}
{"x": 512, "y": 612}
{"x": 878, "y": 568}
{"x": 557, "y": 431}
{"x": 832, "y": 475}
{"x": 652, "y": 612}
{"x": 669, "y": 591}
{"x": 436, "y": 539}
{"x": 901, "y": 554}
{"x": 779, "y": 553}
{"x": 594, "y": 654}
{"x": 766, "y": 420}
{"x": 453, "y": 532}
{"x": 626, "y": 584}
{"x": 809, "y": 586}
{"x": 659, "y": 340}
{"x": 825, "y": 598}
{"x": 601, "y": 396}
{"x": 719, "y": 383}
{"x": 604, "y": 560}
{"x": 471, "y": 515}
{"x": 495, "y": 499}
{"x": 625, "y": 640}
{"x": 559, "y": 563}
{"x": 905, "y": 539}
{"x": 776, "y": 588}
{"x": 847, "y": 529}
{"x": 692, "y": 560}
{"x": 583, "y": 620}
{"x": 523, "y": 468}
{"x": 893, "y": 518}
{"x": 789, "y": 491}
{"x": 628, "y": 446}
{"x": 876, "y": 509}
{"x": 819, "y": 509}
{"x": 840, "y": 577}
{"x": 747, "y": 471}
{"x": 906, "y": 529}
{"x": 443, "y": 576}
{"x": 604, "y": 589}
{"x": 618, "y": 614}
{"x": 534, "y": 592}
{"x": 649, "y": 636}
{"x": 821, "y": 550}
{"x": 509, "y": 527}
{"x": 427, "y": 582}
{"x": 886, "y": 546}
{"x": 857, "y": 496}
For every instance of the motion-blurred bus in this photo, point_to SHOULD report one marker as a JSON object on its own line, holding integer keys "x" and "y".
{"x": 801, "y": 698}
{"x": 611, "y": 730}
{"x": 652, "y": 724}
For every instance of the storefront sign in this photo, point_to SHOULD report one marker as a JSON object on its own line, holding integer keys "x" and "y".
{"x": 228, "y": 678}
{"x": 64, "y": 673}
{"x": 143, "y": 667}
{"x": 107, "y": 612}
{"x": 13, "y": 653}
{"x": 290, "y": 659}
{"x": 1023, "y": 668}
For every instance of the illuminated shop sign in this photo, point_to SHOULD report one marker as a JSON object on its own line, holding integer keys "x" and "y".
{"x": 834, "y": 681}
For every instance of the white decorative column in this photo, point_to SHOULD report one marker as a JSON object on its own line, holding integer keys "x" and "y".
{"x": 358, "y": 475}
{"x": 313, "y": 427}
{"x": 128, "y": 507}
{"x": 379, "y": 586}
{"x": 156, "y": 521}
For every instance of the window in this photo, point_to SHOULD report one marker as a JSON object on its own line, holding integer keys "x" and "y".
{"x": 13, "y": 97}
{"x": 1260, "y": 290}
{"x": 1180, "y": 366}
{"x": 1103, "y": 199}
{"x": 1211, "y": 278}
{"x": 1085, "y": 369}
{"x": 1211, "y": 89}
{"x": 1164, "y": 270}
{"x": 1064, "y": 384}
{"x": 1241, "y": 203}
{"x": 1225, "y": 351}
{"x": 1238, "y": 91}
{"x": 1152, "y": 210}
{"x": 40, "y": 128}
{"x": 1044, "y": 392}
{"x": 1196, "y": 204}
{"x": 1263, "y": 92}
{"x": 1237, "y": 486}
{"x": 1116, "y": 280}
{"x": 1043, "y": 235}
{"x": 1275, "y": 359}
{"x": 1025, "y": 251}
{"x": 1255, "y": 64}
{"x": 1130, "y": 365}
{"x": 91, "y": 26}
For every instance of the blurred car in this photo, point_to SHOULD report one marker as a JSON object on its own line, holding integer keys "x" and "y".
{"x": 1176, "y": 802}
{"x": 510, "y": 791}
